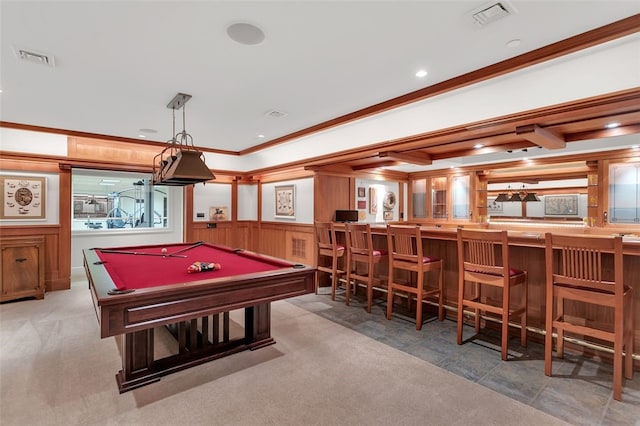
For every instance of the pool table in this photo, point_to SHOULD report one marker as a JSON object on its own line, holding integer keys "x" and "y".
{"x": 139, "y": 288}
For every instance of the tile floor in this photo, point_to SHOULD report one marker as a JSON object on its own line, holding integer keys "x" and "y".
{"x": 579, "y": 392}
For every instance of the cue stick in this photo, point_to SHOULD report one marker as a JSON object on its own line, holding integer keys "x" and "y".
{"x": 139, "y": 253}
{"x": 199, "y": 243}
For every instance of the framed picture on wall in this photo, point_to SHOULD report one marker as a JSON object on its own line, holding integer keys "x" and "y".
{"x": 561, "y": 205}
{"x": 285, "y": 201}
{"x": 361, "y": 192}
{"x": 23, "y": 197}
{"x": 373, "y": 201}
{"x": 218, "y": 213}
{"x": 362, "y": 204}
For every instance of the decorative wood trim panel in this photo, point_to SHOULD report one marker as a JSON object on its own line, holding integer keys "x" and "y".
{"x": 92, "y": 148}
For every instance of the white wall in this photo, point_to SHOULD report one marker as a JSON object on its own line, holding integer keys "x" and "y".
{"x": 303, "y": 206}
{"x": 33, "y": 142}
{"x": 381, "y": 188}
{"x": 211, "y": 195}
{"x": 248, "y": 202}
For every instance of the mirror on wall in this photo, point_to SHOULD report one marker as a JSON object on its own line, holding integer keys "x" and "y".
{"x": 564, "y": 200}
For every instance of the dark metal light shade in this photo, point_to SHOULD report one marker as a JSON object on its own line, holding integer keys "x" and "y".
{"x": 187, "y": 168}
{"x": 501, "y": 198}
{"x": 515, "y": 197}
{"x": 531, "y": 196}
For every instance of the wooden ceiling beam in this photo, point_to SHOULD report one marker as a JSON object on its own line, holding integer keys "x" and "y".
{"x": 541, "y": 137}
{"x": 419, "y": 158}
{"x": 374, "y": 165}
{"x": 604, "y": 133}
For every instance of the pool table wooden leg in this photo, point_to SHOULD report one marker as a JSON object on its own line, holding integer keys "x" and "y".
{"x": 257, "y": 323}
{"x": 137, "y": 360}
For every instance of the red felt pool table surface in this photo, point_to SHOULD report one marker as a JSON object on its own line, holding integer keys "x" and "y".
{"x": 137, "y": 267}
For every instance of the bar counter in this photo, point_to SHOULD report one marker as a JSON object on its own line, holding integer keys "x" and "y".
{"x": 526, "y": 252}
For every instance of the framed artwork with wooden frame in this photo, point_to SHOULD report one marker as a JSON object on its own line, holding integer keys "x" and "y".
{"x": 561, "y": 205}
{"x": 23, "y": 197}
{"x": 373, "y": 201}
{"x": 218, "y": 213}
{"x": 285, "y": 201}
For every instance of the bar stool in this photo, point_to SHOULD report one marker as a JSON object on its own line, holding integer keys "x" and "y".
{"x": 483, "y": 260}
{"x": 576, "y": 272}
{"x": 328, "y": 248}
{"x": 360, "y": 250}
{"x": 405, "y": 253}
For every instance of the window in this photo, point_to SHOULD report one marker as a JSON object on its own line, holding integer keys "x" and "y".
{"x": 117, "y": 200}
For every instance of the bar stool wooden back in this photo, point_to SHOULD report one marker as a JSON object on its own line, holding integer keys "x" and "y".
{"x": 362, "y": 258}
{"x": 329, "y": 254}
{"x": 483, "y": 261}
{"x": 579, "y": 269}
{"x": 406, "y": 254}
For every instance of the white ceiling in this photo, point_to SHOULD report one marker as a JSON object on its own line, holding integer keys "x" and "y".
{"x": 119, "y": 63}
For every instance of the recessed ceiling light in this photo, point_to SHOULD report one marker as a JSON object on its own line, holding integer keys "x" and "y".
{"x": 478, "y": 146}
{"x": 612, "y": 125}
{"x": 421, "y": 73}
{"x": 261, "y": 136}
{"x": 142, "y": 136}
{"x": 245, "y": 33}
{"x": 514, "y": 43}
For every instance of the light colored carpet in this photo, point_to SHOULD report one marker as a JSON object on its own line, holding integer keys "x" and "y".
{"x": 55, "y": 370}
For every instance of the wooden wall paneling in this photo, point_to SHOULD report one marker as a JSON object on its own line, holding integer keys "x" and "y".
{"x": 20, "y": 163}
{"x": 294, "y": 242}
{"x": 273, "y": 241}
{"x": 331, "y": 193}
{"x": 241, "y": 235}
{"x": 63, "y": 238}
{"x": 245, "y": 235}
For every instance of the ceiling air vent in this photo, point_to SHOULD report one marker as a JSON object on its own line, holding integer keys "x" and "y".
{"x": 37, "y": 57}
{"x": 490, "y": 12}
